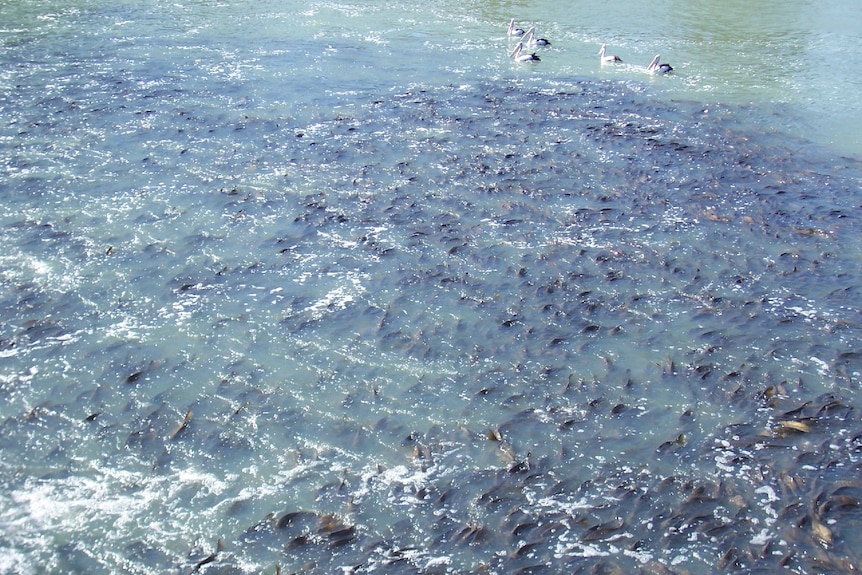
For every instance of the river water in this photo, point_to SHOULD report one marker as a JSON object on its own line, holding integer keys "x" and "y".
{"x": 324, "y": 286}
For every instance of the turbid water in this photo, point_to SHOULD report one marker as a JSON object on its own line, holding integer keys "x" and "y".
{"x": 322, "y": 287}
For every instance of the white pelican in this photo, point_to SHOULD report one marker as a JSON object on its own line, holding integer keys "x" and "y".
{"x": 656, "y": 68}
{"x": 513, "y": 31}
{"x": 518, "y": 55}
{"x": 603, "y": 58}
{"x": 530, "y": 40}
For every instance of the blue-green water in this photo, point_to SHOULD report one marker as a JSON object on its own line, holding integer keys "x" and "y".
{"x": 325, "y": 286}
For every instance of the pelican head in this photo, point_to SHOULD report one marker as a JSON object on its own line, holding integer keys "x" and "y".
{"x": 656, "y": 68}
{"x": 603, "y": 57}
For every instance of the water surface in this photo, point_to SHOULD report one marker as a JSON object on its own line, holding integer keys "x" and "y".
{"x": 332, "y": 286}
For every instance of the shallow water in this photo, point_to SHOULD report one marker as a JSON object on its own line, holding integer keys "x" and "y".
{"x": 341, "y": 287}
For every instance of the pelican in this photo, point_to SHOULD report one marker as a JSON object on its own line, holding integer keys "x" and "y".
{"x": 519, "y": 56}
{"x": 529, "y": 39}
{"x": 603, "y": 58}
{"x": 513, "y": 31}
{"x": 656, "y": 68}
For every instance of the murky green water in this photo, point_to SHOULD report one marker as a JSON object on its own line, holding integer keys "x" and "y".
{"x": 320, "y": 287}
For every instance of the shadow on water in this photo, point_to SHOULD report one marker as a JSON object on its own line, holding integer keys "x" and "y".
{"x": 476, "y": 329}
